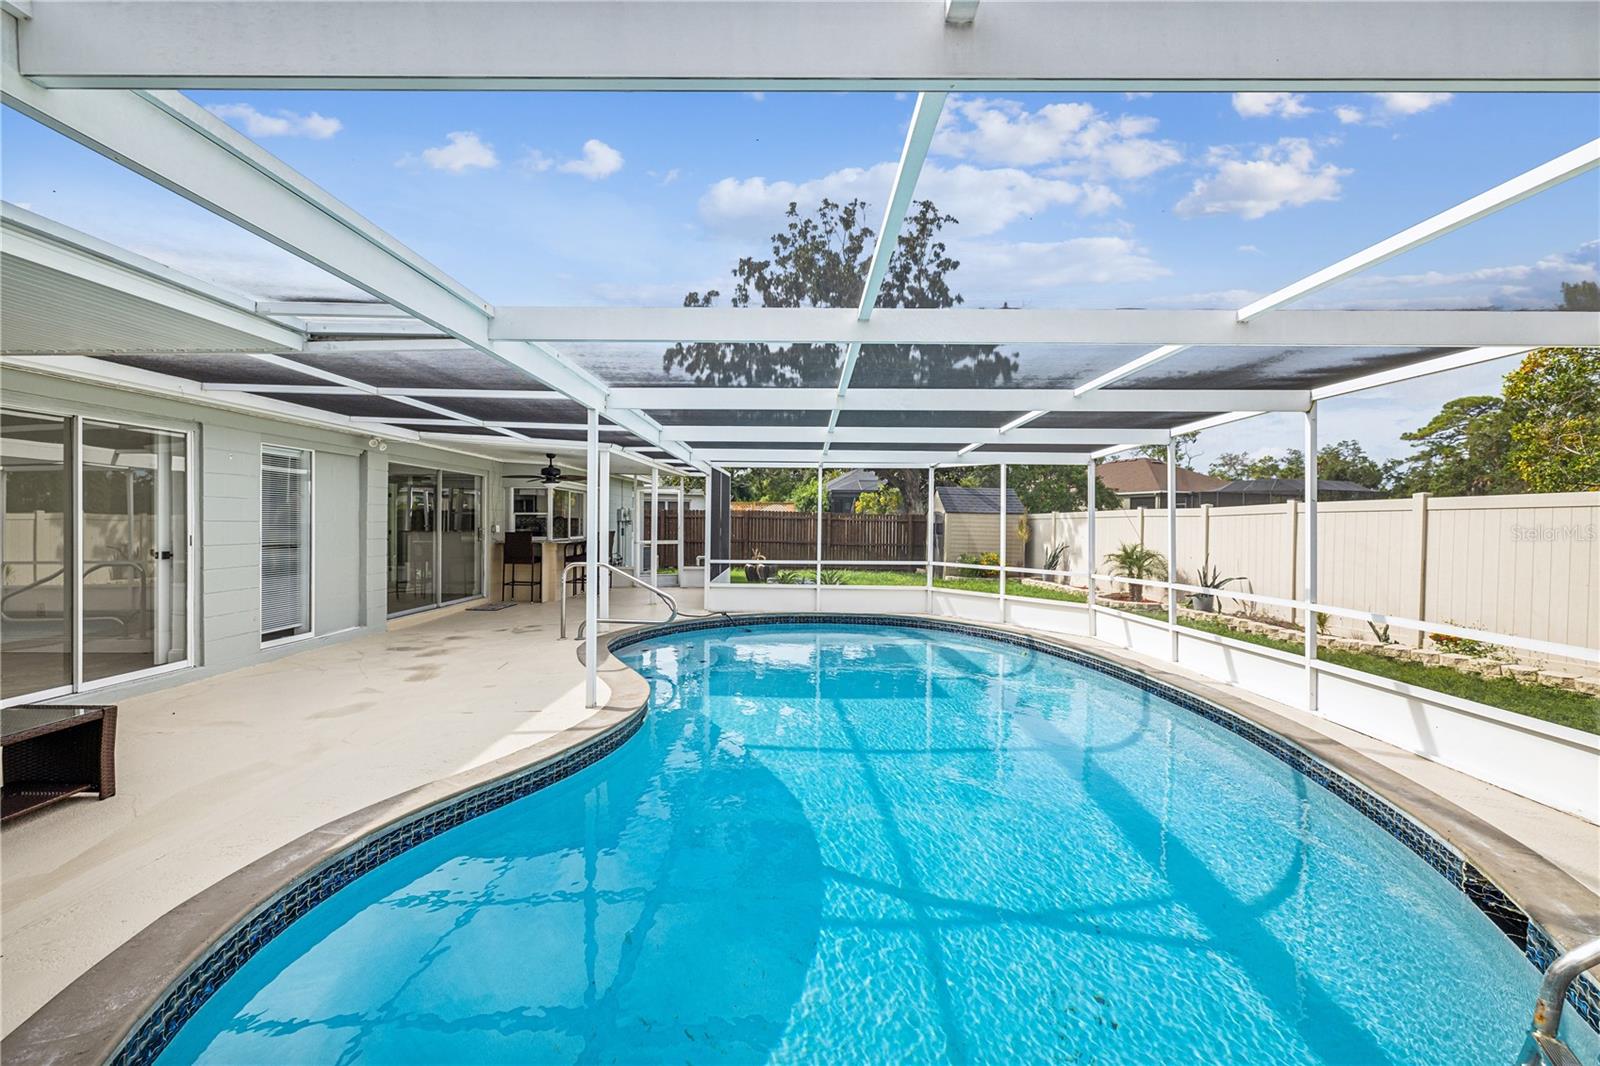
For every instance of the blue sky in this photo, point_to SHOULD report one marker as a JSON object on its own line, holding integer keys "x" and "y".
{"x": 1097, "y": 200}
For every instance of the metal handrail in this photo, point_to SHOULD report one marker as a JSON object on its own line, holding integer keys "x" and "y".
{"x": 1543, "y": 1045}
{"x": 672, "y": 605}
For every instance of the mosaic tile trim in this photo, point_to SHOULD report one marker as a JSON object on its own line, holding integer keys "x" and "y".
{"x": 1530, "y": 939}
{"x": 151, "y": 1037}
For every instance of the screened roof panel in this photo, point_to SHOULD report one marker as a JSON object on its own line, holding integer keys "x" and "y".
{"x": 1515, "y": 259}
{"x": 967, "y": 366}
{"x": 1053, "y": 449}
{"x": 585, "y": 198}
{"x": 1271, "y": 368}
{"x": 492, "y": 409}
{"x": 720, "y": 365}
{"x": 449, "y": 368}
{"x": 1209, "y": 199}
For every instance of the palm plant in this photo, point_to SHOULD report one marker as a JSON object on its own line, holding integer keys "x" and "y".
{"x": 1054, "y": 555}
{"x": 1138, "y": 562}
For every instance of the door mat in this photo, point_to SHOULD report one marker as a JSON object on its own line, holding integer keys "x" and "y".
{"x": 493, "y": 606}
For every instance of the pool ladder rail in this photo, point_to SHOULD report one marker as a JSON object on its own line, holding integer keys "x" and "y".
{"x": 1543, "y": 1046}
{"x": 674, "y": 612}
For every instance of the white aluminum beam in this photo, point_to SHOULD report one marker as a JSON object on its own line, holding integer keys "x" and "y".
{"x": 777, "y": 399}
{"x": 38, "y": 241}
{"x": 286, "y": 390}
{"x": 919, "y": 137}
{"x": 1141, "y": 326}
{"x": 934, "y": 435}
{"x": 1020, "y": 45}
{"x": 1567, "y": 165}
{"x": 1131, "y": 367}
{"x": 478, "y": 394}
{"x": 960, "y": 12}
{"x": 328, "y": 309}
{"x": 175, "y": 142}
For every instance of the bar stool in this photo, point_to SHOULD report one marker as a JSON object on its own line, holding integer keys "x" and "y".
{"x": 519, "y": 550}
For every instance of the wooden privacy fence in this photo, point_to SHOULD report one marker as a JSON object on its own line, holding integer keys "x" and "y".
{"x": 1528, "y": 566}
{"x": 793, "y": 535}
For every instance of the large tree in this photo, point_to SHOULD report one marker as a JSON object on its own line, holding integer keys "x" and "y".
{"x": 1462, "y": 450}
{"x": 1552, "y": 407}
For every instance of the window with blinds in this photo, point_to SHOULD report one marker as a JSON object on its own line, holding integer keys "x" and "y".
{"x": 285, "y": 542}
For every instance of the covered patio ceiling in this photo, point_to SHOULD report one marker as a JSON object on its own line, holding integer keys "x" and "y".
{"x": 427, "y": 359}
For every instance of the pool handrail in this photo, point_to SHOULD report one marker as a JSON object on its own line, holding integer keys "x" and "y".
{"x": 1543, "y": 1044}
{"x": 674, "y": 613}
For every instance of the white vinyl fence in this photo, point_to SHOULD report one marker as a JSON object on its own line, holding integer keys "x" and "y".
{"x": 1527, "y": 566}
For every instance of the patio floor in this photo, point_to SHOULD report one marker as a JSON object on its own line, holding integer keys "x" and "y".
{"x": 218, "y": 772}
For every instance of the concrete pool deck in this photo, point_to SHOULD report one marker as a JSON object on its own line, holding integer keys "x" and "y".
{"x": 217, "y": 773}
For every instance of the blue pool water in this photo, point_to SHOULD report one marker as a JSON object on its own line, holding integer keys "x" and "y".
{"x": 881, "y": 845}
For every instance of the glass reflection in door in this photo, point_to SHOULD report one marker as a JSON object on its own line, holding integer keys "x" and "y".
{"x": 459, "y": 513}
{"x": 135, "y": 549}
{"x": 412, "y": 518}
{"x": 35, "y": 598}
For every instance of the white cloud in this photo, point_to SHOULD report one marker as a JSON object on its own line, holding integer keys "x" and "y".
{"x": 1411, "y": 103}
{"x": 536, "y": 161}
{"x": 1266, "y": 105}
{"x": 279, "y": 123}
{"x": 757, "y": 96}
{"x": 983, "y": 200}
{"x": 1137, "y": 96}
{"x": 1392, "y": 105}
{"x": 1250, "y": 249}
{"x": 1285, "y": 174}
{"x": 1076, "y": 136}
{"x": 1020, "y": 267}
{"x": 666, "y": 178}
{"x": 599, "y": 161}
{"x": 463, "y": 151}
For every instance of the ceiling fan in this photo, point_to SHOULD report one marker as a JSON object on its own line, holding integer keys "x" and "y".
{"x": 550, "y": 474}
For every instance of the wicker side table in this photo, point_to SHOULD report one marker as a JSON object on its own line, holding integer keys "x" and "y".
{"x": 53, "y": 752}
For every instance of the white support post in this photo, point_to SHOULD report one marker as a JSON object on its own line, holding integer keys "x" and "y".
{"x": 1090, "y": 555}
{"x": 1310, "y": 577}
{"x": 705, "y": 537}
{"x": 1172, "y": 548}
{"x": 591, "y": 602}
{"x": 822, "y": 503}
{"x": 928, "y": 575}
{"x": 1004, "y": 529}
{"x": 655, "y": 532}
{"x": 602, "y": 489}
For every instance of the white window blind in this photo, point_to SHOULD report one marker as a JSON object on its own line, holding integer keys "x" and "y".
{"x": 285, "y": 542}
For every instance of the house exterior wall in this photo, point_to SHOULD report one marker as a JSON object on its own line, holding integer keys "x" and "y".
{"x": 350, "y": 519}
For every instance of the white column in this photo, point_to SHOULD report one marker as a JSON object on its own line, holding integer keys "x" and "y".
{"x": 1310, "y": 579}
{"x": 655, "y": 506}
{"x": 1089, "y": 548}
{"x": 1005, "y": 520}
{"x": 822, "y": 502}
{"x": 591, "y": 601}
{"x": 603, "y": 507}
{"x": 163, "y": 542}
{"x": 929, "y": 575}
{"x": 705, "y": 535}
{"x": 1172, "y": 550}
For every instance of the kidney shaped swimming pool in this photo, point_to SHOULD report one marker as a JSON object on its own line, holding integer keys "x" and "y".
{"x": 876, "y": 844}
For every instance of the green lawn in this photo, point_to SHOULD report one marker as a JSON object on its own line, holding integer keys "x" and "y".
{"x": 1563, "y": 707}
{"x": 1573, "y": 709}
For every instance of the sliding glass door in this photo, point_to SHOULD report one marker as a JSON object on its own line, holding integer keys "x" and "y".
{"x": 435, "y": 540}
{"x": 95, "y": 550}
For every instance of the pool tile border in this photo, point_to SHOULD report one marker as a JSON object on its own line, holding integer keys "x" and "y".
{"x": 1529, "y": 937}
{"x": 155, "y": 1030}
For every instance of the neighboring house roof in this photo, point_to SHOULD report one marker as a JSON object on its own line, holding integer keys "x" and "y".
{"x": 1293, "y": 486}
{"x": 958, "y": 500}
{"x": 1128, "y": 477}
{"x": 855, "y": 481}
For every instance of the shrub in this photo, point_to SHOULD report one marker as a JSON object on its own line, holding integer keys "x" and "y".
{"x": 1138, "y": 562}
